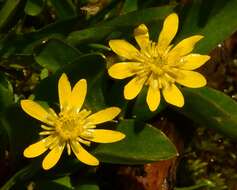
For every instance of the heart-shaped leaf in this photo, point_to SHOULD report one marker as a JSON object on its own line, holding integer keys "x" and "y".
{"x": 143, "y": 144}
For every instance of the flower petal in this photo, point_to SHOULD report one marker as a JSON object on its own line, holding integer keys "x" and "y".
{"x": 153, "y": 98}
{"x": 142, "y": 36}
{"x": 64, "y": 91}
{"x": 169, "y": 30}
{"x": 184, "y": 47}
{"x": 104, "y": 115}
{"x": 53, "y": 156}
{"x": 78, "y": 94}
{"x": 123, "y": 49}
{"x": 37, "y": 148}
{"x": 123, "y": 70}
{"x": 106, "y": 136}
{"x": 193, "y": 61}
{"x": 134, "y": 86}
{"x": 173, "y": 95}
{"x": 36, "y": 111}
{"x": 83, "y": 155}
{"x": 191, "y": 79}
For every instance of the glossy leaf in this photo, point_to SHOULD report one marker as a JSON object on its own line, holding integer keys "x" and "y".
{"x": 6, "y": 99}
{"x": 143, "y": 144}
{"x": 6, "y": 93}
{"x": 62, "y": 183}
{"x": 18, "y": 177}
{"x": 81, "y": 68}
{"x": 13, "y": 43}
{"x": 7, "y": 11}
{"x": 114, "y": 96}
{"x": 88, "y": 187}
{"x": 18, "y": 125}
{"x": 55, "y": 54}
{"x": 212, "y": 109}
{"x": 212, "y": 19}
{"x": 64, "y": 9}
{"x": 123, "y": 23}
{"x": 129, "y": 6}
{"x": 141, "y": 110}
{"x": 86, "y": 181}
{"x": 34, "y": 7}
{"x": 65, "y": 181}
{"x": 51, "y": 185}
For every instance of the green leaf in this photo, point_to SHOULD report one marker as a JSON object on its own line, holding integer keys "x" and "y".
{"x": 6, "y": 99}
{"x": 50, "y": 185}
{"x": 212, "y": 109}
{"x": 7, "y": 11}
{"x": 116, "y": 92}
{"x": 55, "y": 54}
{"x": 122, "y": 23}
{"x": 88, "y": 187}
{"x": 143, "y": 144}
{"x": 65, "y": 181}
{"x": 6, "y": 93}
{"x": 129, "y": 6}
{"x": 18, "y": 126}
{"x": 14, "y": 43}
{"x": 141, "y": 111}
{"x": 34, "y": 7}
{"x": 20, "y": 176}
{"x": 64, "y": 8}
{"x": 212, "y": 19}
{"x": 86, "y": 181}
{"x": 62, "y": 183}
{"x": 90, "y": 67}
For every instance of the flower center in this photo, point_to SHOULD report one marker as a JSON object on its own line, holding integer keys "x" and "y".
{"x": 153, "y": 60}
{"x": 70, "y": 126}
{"x": 154, "y": 66}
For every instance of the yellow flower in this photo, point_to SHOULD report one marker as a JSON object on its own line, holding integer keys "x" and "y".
{"x": 158, "y": 64}
{"x": 71, "y": 127}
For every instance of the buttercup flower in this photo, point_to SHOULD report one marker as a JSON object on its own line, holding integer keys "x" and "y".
{"x": 158, "y": 65}
{"x": 72, "y": 127}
